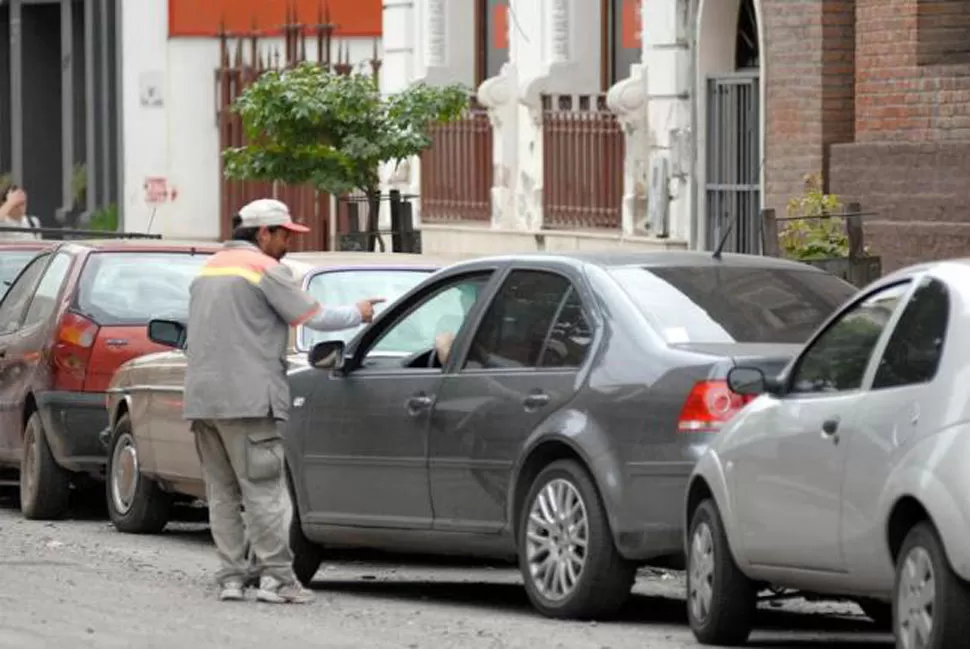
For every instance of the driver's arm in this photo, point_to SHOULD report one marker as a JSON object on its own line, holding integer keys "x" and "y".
{"x": 442, "y": 345}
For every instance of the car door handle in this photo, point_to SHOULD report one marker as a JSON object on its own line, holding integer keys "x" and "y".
{"x": 535, "y": 400}
{"x": 830, "y": 426}
{"x": 419, "y": 403}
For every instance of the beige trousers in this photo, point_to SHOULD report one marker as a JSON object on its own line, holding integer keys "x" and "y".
{"x": 249, "y": 503}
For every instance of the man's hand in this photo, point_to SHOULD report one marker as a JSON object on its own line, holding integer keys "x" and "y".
{"x": 366, "y": 308}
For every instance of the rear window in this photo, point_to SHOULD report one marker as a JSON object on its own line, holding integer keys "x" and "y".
{"x": 726, "y": 304}
{"x": 345, "y": 287}
{"x": 11, "y": 263}
{"x": 131, "y": 288}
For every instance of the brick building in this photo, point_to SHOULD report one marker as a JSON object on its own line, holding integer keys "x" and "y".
{"x": 876, "y": 95}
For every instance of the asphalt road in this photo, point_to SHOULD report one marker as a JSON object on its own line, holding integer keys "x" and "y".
{"x": 78, "y": 583}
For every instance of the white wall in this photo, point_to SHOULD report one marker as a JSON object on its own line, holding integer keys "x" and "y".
{"x": 179, "y": 140}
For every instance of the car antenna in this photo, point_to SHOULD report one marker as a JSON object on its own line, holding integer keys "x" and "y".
{"x": 727, "y": 233}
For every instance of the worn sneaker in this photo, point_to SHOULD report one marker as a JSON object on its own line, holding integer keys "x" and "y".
{"x": 274, "y": 591}
{"x": 232, "y": 590}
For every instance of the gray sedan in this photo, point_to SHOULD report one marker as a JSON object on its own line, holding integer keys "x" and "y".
{"x": 848, "y": 475}
{"x": 547, "y": 408}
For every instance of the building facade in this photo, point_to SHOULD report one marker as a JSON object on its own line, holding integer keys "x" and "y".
{"x": 725, "y": 106}
{"x": 121, "y": 96}
{"x": 59, "y": 89}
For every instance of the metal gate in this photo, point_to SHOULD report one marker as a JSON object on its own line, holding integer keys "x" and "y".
{"x": 733, "y": 184}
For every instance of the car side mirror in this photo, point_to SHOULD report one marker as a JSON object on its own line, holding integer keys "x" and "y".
{"x": 747, "y": 381}
{"x": 170, "y": 333}
{"x": 328, "y": 354}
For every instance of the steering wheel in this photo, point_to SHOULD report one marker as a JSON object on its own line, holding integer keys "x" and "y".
{"x": 432, "y": 357}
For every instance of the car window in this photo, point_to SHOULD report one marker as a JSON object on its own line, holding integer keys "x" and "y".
{"x": 45, "y": 297}
{"x": 131, "y": 288}
{"x": 349, "y": 286}
{"x": 513, "y": 331}
{"x": 837, "y": 360}
{"x": 443, "y": 311}
{"x": 11, "y": 263}
{"x": 727, "y": 304}
{"x": 15, "y": 301}
{"x": 570, "y": 336}
{"x": 915, "y": 347}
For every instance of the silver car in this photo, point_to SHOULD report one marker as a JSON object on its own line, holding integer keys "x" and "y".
{"x": 847, "y": 475}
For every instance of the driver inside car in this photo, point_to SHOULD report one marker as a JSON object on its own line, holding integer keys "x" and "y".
{"x": 447, "y": 327}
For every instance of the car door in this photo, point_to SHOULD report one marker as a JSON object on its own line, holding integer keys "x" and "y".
{"x": 786, "y": 476}
{"x": 165, "y": 428}
{"x": 365, "y": 446}
{"x": 521, "y": 365}
{"x": 13, "y": 368}
{"x": 902, "y": 403}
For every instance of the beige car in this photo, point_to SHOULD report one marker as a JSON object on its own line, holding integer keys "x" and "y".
{"x": 152, "y": 461}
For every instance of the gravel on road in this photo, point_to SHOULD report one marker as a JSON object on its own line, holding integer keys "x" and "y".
{"x": 79, "y": 583}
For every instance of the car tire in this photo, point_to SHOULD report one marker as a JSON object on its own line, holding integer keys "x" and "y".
{"x": 727, "y": 615}
{"x": 603, "y": 580}
{"x": 881, "y": 613}
{"x": 136, "y": 504}
{"x": 923, "y": 558}
{"x": 45, "y": 486}
{"x": 307, "y": 555}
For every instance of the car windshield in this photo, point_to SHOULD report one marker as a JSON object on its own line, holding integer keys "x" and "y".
{"x": 11, "y": 263}
{"x": 131, "y": 288}
{"x": 350, "y": 285}
{"x": 733, "y": 304}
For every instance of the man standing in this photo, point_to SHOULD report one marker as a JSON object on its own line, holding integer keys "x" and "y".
{"x": 13, "y": 214}
{"x": 241, "y": 308}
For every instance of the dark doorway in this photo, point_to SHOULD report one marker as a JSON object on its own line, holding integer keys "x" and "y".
{"x": 733, "y": 159}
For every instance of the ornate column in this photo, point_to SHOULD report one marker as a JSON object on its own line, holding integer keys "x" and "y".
{"x": 628, "y": 99}
{"x": 498, "y": 95}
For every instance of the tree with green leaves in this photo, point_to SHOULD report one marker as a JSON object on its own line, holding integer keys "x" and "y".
{"x": 308, "y": 125}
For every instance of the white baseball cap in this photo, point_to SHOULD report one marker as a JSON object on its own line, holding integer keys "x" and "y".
{"x": 268, "y": 212}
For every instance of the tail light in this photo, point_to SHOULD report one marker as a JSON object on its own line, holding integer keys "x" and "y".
{"x": 709, "y": 406}
{"x": 73, "y": 344}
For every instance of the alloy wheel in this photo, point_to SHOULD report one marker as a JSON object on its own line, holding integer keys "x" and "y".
{"x": 916, "y": 599}
{"x": 701, "y": 566}
{"x": 557, "y": 539}
{"x": 124, "y": 473}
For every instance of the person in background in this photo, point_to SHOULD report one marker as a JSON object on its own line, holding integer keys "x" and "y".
{"x": 13, "y": 214}
{"x": 241, "y": 308}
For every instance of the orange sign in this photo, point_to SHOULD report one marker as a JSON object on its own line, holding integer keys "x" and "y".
{"x": 204, "y": 17}
{"x": 500, "y": 26}
{"x": 632, "y": 26}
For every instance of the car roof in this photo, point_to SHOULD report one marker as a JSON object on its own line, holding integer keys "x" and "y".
{"x": 623, "y": 258}
{"x": 142, "y": 245}
{"x": 27, "y": 244}
{"x": 304, "y": 263}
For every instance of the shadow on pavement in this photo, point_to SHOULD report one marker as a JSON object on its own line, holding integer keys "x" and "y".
{"x": 639, "y": 609}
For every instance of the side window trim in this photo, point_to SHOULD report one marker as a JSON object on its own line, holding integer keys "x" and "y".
{"x": 837, "y": 318}
{"x": 42, "y": 260}
{"x": 460, "y": 358}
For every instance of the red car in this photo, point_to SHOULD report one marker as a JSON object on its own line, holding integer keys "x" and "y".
{"x": 75, "y": 313}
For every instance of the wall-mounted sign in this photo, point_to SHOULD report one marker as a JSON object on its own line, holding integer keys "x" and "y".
{"x": 151, "y": 89}
{"x": 157, "y": 190}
